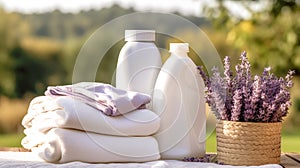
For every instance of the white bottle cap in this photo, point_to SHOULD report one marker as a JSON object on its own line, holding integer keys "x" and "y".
{"x": 139, "y": 35}
{"x": 179, "y": 47}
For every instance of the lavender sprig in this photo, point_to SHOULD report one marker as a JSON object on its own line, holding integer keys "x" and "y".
{"x": 208, "y": 91}
{"x": 208, "y": 158}
{"x": 256, "y": 102}
{"x": 237, "y": 94}
{"x": 261, "y": 111}
{"x": 207, "y": 84}
{"x": 288, "y": 78}
{"x": 274, "y": 96}
{"x": 229, "y": 78}
{"x": 237, "y": 106}
{"x": 246, "y": 87}
{"x": 282, "y": 101}
{"x": 218, "y": 87}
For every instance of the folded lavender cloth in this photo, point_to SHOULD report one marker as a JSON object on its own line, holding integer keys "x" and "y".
{"x": 104, "y": 97}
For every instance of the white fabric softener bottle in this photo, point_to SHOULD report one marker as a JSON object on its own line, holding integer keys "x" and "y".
{"x": 178, "y": 99}
{"x": 139, "y": 62}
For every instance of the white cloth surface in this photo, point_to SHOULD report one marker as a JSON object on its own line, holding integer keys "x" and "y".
{"x": 29, "y": 159}
{"x": 65, "y": 145}
{"x": 104, "y": 97}
{"x": 46, "y": 112}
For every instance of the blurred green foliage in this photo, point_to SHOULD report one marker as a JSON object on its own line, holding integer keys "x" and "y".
{"x": 40, "y": 49}
{"x": 271, "y": 36}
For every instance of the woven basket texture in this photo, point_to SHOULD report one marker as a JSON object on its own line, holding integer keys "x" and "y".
{"x": 248, "y": 143}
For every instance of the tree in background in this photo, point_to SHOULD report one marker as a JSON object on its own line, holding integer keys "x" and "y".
{"x": 271, "y": 35}
{"x": 31, "y": 73}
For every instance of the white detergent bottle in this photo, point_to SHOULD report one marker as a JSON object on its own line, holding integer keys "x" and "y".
{"x": 139, "y": 62}
{"x": 178, "y": 99}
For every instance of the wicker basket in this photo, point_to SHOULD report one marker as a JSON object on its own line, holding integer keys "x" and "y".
{"x": 248, "y": 143}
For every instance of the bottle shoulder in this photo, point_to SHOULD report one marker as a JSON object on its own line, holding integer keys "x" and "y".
{"x": 131, "y": 47}
{"x": 179, "y": 62}
{"x": 140, "y": 51}
{"x": 139, "y": 44}
{"x": 180, "y": 68}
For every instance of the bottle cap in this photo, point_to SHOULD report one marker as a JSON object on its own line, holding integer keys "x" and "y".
{"x": 179, "y": 47}
{"x": 139, "y": 35}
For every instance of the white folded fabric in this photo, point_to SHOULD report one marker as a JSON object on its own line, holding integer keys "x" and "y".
{"x": 65, "y": 145}
{"x": 45, "y": 113}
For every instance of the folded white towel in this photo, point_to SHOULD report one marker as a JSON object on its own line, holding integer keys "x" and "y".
{"x": 46, "y": 112}
{"x": 64, "y": 145}
{"x": 104, "y": 97}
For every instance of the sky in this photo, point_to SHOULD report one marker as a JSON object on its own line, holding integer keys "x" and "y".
{"x": 190, "y": 7}
{"x": 186, "y": 7}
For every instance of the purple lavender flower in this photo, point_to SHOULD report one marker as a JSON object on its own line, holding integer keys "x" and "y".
{"x": 208, "y": 158}
{"x": 218, "y": 87}
{"x": 207, "y": 85}
{"x": 288, "y": 78}
{"x": 204, "y": 76}
{"x": 229, "y": 78}
{"x": 265, "y": 98}
{"x": 256, "y": 102}
{"x": 277, "y": 112}
{"x": 237, "y": 106}
{"x": 261, "y": 113}
{"x": 208, "y": 91}
{"x": 237, "y": 103}
{"x": 282, "y": 101}
{"x": 246, "y": 85}
{"x": 275, "y": 96}
{"x": 221, "y": 110}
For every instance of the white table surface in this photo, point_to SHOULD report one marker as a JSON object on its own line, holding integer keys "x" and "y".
{"x": 29, "y": 159}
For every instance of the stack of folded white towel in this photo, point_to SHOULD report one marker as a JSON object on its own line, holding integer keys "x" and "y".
{"x": 91, "y": 122}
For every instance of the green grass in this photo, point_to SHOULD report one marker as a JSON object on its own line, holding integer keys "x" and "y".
{"x": 211, "y": 143}
{"x": 289, "y": 142}
{"x": 10, "y": 140}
